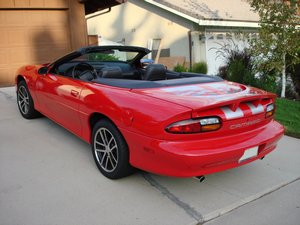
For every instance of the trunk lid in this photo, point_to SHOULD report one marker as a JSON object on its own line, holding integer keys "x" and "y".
{"x": 225, "y": 99}
{"x": 206, "y": 95}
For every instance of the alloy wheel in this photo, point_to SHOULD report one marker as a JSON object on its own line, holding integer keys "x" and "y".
{"x": 106, "y": 149}
{"x": 23, "y": 100}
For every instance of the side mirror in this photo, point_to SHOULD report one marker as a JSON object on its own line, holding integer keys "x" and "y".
{"x": 43, "y": 70}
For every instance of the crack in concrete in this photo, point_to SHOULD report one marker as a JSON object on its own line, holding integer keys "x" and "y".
{"x": 202, "y": 219}
{"x": 230, "y": 208}
{"x": 164, "y": 191}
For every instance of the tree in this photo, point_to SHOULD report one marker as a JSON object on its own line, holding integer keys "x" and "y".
{"x": 279, "y": 36}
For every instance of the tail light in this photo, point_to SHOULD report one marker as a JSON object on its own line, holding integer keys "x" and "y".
{"x": 195, "y": 126}
{"x": 270, "y": 110}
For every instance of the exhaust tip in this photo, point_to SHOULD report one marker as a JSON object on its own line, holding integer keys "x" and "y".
{"x": 200, "y": 178}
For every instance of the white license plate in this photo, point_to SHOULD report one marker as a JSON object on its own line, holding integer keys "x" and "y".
{"x": 249, "y": 153}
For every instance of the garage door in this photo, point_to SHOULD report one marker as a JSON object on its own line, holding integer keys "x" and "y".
{"x": 214, "y": 46}
{"x": 31, "y": 37}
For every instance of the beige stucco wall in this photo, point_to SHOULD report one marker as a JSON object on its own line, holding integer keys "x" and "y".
{"x": 136, "y": 25}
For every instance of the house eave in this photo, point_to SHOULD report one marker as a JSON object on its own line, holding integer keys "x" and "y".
{"x": 174, "y": 11}
{"x": 92, "y": 6}
{"x": 206, "y": 22}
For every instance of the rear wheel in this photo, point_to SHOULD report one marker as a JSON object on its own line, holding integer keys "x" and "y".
{"x": 110, "y": 150}
{"x": 25, "y": 102}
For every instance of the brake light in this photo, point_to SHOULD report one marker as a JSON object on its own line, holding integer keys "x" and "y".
{"x": 270, "y": 110}
{"x": 195, "y": 126}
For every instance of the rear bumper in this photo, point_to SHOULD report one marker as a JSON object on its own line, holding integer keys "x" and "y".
{"x": 200, "y": 157}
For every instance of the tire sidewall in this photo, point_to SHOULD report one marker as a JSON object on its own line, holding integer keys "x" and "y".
{"x": 31, "y": 111}
{"x": 123, "y": 168}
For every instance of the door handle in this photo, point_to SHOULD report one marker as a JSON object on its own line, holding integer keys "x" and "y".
{"x": 74, "y": 93}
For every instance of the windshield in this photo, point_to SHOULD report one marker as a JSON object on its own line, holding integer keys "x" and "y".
{"x": 113, "y": 55}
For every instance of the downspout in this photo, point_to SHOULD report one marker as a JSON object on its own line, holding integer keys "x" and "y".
{"x": 190, "y": 47}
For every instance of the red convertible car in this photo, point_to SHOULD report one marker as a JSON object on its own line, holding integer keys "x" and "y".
{"x": 164, "y": 122}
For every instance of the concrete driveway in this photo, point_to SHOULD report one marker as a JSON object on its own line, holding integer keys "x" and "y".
{"x": 48, "y": 177}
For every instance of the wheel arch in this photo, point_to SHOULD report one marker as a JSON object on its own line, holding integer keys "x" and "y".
{"x": 122, "y": 164}
{"x": 20, "y": 78}
{"x": 94, "y": 118}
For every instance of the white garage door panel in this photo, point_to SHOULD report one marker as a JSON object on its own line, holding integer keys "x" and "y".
{"x": 31, "y": 37}
{"x": 214, "y": 43}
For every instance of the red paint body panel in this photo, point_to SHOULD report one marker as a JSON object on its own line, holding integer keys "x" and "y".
{"x": 203, "y": 156}
{"x": 202, "y": 96}
{"x": 143, "y": 114}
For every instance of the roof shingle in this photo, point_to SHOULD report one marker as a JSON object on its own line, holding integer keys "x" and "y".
{"x": 234, "y": 10}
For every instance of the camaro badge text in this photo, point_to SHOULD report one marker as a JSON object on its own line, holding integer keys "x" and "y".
{"x": 245, "y": 124}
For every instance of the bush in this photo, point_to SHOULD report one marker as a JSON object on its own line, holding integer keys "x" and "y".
{"x": 239, "y": 69}
{"x": 294, "y": 71}
{"x": 290, "y": 92}
{"x": 102, "y": 57}
{"x": 223, "y": 72}
{"x": 238, "y": 72}
{"x": 238, "y": 64}
{"x": 267, "y": 82}
{"x": 180, "y": 68}
{"x": 200, "y": 67}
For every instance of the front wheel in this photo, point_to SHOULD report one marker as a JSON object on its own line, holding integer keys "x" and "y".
{"x": 110, "y": 150}
{"x": 25, "y": 102}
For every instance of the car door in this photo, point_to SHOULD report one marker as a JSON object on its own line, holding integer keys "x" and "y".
{"x": 59, "y": 99}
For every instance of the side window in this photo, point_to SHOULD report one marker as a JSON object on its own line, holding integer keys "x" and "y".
{"x": 63, "y": 70}
{"x": 54, "y": 71}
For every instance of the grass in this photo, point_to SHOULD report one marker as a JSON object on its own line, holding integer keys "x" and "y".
{"x": 288, "y": 114}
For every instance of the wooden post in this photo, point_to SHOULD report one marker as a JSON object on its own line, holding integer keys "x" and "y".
{"x": 158, "y": 51}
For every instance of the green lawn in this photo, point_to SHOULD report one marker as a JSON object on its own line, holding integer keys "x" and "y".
{"x": 288, "y": 114}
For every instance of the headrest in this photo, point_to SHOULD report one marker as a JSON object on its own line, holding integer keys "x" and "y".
{"x": 155, "y": 72}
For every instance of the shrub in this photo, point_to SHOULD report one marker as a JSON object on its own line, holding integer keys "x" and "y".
{"x": 294, "y": 72}
{"x": 238, "y": 65}
{"x": 102, "y": 57}
{"x": 238, "y": 72}
{"x": 267, "y": 81}
{"x": 239, "y": 69}
{"x": 200, "y": 67}
{"x": 223, "y": 72}
{"x": 290, "y": 92}
{"x": 180, "y": 68}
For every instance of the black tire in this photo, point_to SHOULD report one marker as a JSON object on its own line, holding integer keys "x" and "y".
{"x": 110, "y": 150}
{"x": 25, "y": 102}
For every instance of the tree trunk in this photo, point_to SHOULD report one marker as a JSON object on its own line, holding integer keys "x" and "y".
{"x": 283, "y": 78}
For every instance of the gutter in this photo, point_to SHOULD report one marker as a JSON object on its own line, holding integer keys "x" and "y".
{"x": 204, "y": 22}
{"x": 226, "y": 23}
{"x": 98, "y": 13}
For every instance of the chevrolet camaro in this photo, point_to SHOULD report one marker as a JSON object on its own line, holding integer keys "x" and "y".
{"x": 144, "y": 116}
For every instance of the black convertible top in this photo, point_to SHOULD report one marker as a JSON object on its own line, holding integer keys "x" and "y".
{"x": 140, "y": 84}
{"x": 94, "y": 49}
{"x": 131, "y": 76}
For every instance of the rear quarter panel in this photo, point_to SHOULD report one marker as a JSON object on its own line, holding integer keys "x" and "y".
{"x": 129, "y": 111}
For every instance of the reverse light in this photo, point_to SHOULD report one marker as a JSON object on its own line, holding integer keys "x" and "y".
{"x": 195, "y": 126}
{"x": 270, "y": 110}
